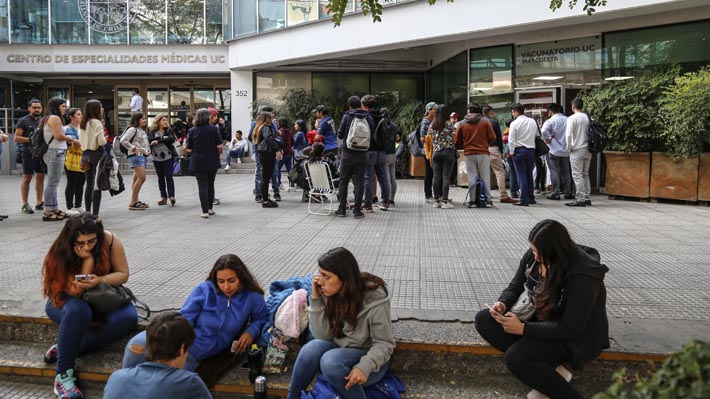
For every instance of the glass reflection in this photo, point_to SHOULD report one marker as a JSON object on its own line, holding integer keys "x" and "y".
{"x": 300, "y": 11}
{"x": 186, "y": 21}
{"x": 148, "y": 22}
{"x": 271, "y": 15}
{"x": 244, "y": 17}
{"x": 157, "y": 99}
{"x": 3, "y": 23}
{"x": 30, "y": 21}
{"x": 213, "y": 14}
{"x": 68, "y": 27}
{"x": 203, "y": 97}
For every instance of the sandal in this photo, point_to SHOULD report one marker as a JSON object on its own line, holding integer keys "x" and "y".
{"x": 143, "y": 204}
{"x": 51, "y": 217}
{"x": 136, "y": 206}
{"x": 61, "y": 214}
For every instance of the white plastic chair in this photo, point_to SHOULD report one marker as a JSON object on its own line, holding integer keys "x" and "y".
{"x": 322, "y": 187}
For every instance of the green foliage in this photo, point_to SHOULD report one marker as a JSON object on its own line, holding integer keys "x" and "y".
{"x": 628, "y": 109}
{"x": 589, "y": 5}
{"x": 685, "y": 112}
{"x": 409, "y": 116}
{"x": 386, "y": 99}
{"x": 298, "y": 104}
{"x": 262, "y": 102}
{"x": 685, "y": 375}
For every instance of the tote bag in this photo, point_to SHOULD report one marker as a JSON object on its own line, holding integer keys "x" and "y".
{"x": 73, "y": 159}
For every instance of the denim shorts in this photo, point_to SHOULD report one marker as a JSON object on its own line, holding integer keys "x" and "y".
{"x": 138, "y": 160}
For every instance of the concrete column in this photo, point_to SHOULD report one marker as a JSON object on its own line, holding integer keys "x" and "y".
{"x": 242, "y": 85}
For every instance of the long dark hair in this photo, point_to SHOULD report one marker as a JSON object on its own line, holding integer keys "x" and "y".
{"x": 554, "y": 245}
{"x": 317, "y": 151}
{"x": 70, "y": 114}
{"x": 441, "y": 116}
{"x": 232, "y": 262}
{"x": 62, "y": 262}
{"x": 301, "y": 126}
{"x": 347, "y": 303}
{"x": 136, "y": 120}
{"x": 52, "y": 109}
{"x": 92, "y": 110}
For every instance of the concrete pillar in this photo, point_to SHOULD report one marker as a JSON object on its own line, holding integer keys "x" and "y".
{"x": 242, "y": 85}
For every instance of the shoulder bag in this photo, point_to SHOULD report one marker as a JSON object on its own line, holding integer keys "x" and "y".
{"x": 524, "y": 307}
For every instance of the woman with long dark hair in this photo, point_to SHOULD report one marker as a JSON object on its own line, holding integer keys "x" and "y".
{"x": 75, "y": 176}
{"x": 92, "y": 139}
{"x": 287, "y": 159}
{"x": 227, "y": 308}
{"x": 552, "y": 314}
{"x": 161, "y": 138}
{"x": 350, "y": 319}
{"x": 135, "y": 140}
{"x": 54, "y": 136}
{"x": 269, "y": 148}
{"x": 204, "y": 143}
{"x": 299, "y": 139}
{"x": 442, "y": 131}
{"x": 82, "y": 256}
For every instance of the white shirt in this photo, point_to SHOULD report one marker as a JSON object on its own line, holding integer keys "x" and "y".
{"x": 555, "y": 128}
{"x": 136, "y": 104}
{"x": 576, "y": 131}
{"x": 56, "y": 144}
{"x": 239, "y": 144}
{"x": 522, "y": 133}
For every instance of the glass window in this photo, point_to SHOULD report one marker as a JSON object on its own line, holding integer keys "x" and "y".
{"x": 300, "y": 11}
{"x": 124, "y": 98}
{"x": 180, "y": 103}
{"x": 4, "y": 37}
{"x": 226, "y": 21}
{"x": 59, "y": 92}
{"x": 273, "y": 85}
{"x": 575, "y": 61}
{"x": 272, "y": 15}
{"x": 244, "y": 17}
{"x": 405, "y": 86}
{"x": 108, "y": 21}
{"x": 632, "y": 51}
{"x": 446, "y": 83}
{"x": 147, "y": 22}
{"x": 30, "y": 21}
{"x": 203, "y": 97}
{"x": 186, "y": 22}
{"x": 213, "y": 10}
{"x": 491, "y": 70}
{"x": 338, "y": 86}
{"x": 223, "y": 99}
{"x": 501, "y": 104}
{"x": 157, "y": 99}
{"x": 323, "y": 8}
{"x": 67, "y": 25}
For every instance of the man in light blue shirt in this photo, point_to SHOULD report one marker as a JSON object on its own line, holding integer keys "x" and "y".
{"x": 168, "y": 338}
{"x": 553, "y": 132}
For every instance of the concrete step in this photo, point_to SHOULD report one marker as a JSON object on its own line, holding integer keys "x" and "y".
{"x": 428, "y": 370}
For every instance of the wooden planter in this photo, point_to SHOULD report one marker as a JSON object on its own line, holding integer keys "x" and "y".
{"x": 416, "y": 166}
{"x": 628, "y": 174}
{"x": 704, "y": 177}
{"x": 674, "y": 179}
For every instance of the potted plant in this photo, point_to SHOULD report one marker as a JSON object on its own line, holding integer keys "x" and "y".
{"x": 407, "y": 119}
{"x": 628, "y": 110}
{"x": 684, "y": 173}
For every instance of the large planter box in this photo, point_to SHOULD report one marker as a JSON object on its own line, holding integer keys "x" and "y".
{"x": 704, "y": 177}
{"x": 628, "y": 174}
{"x": 416, "y": 166}
{"x": 674, "y": 179}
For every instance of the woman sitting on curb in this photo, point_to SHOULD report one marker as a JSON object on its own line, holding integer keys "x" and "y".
{"x": 566, "y": 321}
{"x": 83, "y": 247}
{"x": 227, "y": 308}
{"x": 350, "y": 319}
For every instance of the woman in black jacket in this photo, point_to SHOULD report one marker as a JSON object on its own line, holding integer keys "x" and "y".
{"x": 564, "y": 320}
{"x": 269, "y": 149}
{"x": 204, "y": 145}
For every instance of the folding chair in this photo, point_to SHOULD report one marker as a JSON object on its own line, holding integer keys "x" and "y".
{"x": 321, "y": 186}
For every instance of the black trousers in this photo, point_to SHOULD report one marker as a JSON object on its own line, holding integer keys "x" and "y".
{"x": 92, "y": 198}
{"x": 352, "y": 165}
{"x": 74, "y": 189}
{"x": 205, "y": 186}
{"x": 268, "y": 164}
{"x": 531, "y": 360}
{"x": 428, "y": 178}
{"x": 541, "y": 176}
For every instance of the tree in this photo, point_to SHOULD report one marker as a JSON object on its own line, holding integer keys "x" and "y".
{"x": 337, "y": 8}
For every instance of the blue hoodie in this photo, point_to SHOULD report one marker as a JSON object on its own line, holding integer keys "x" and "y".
{"x": 326, "y": 128}
{"x": 217, "y": 320}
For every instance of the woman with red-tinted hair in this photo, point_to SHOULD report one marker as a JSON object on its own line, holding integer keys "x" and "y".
{"x": 83, "y": 256}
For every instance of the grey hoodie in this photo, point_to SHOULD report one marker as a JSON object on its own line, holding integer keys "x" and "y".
{"x": 373, "y": 332}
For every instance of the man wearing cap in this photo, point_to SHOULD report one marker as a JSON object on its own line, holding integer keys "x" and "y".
{"x": 430, "y": 110}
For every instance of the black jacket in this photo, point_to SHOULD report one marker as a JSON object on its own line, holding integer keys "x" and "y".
{"x": 347, "y": 121}
{"x": 496, "y": 130}
{"x": 582, "y": 325}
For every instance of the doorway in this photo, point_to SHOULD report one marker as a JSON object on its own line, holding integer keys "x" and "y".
{"x": 103, "y": 93}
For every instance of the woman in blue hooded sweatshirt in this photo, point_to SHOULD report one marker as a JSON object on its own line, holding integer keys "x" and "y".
{"x": 227, "y": 312}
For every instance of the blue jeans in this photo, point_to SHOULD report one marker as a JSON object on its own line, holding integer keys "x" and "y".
{"x": 334, "y": 363}
{"x": 287, "y": 161}
{"x": 164, "y": 170}
{"x": 239, "y": 153}
{"x": 133, "y": 358}
{"x": 524, "y": 159}
{"x": 76, "y": 338}
{"x": 377, "y": 164}
{"x": 257, "y": 178}
{"x": 54, "y": 158}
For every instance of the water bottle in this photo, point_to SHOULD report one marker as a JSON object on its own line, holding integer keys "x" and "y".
{"x": 260, "y": 387}
{"x": 255, "y": 361}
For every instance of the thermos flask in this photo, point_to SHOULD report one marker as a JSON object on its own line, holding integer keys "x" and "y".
{"x": 260, "y": 387}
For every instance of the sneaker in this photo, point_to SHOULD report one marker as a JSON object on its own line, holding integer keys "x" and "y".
{"x": 588, "y": 202}
{"x": 471, "y": 204}
{"x": 561, "y": 370}
{"x": 80, "y": 210}
{"x": 269, "y": 204}
{"x": 51, "y": 355}
{"x": 65, "y": 386}
{"x": 26, "y": 209}
{"x": 554, "y": 197}
{"x": 211, "y": 212}
{"x": 72, "y": 212}
{"x": 391, "y": 204}
{"x": 374, "y": 200}
{"x": 204, "y": 215}
{"x": 489, "y": 202}
{"x": 227, "y": 167}
{"x": 429, "y": 200}
{"x": 239, "y": 161}
{"x": 447, "y": 205}
{"x": 358, "y": 214}
{"x": 340, "y": 212}
{"x": 383, "y": 206}
{"x": 257, "y": 197}
{"x": 216, "y": 201}
{"x": 437, "y": 204}
{"x": 577, "y": 204}
{"x": 277, "y": 196}
{"x": 39, "y": 207}
{"x": 367, "y": 209}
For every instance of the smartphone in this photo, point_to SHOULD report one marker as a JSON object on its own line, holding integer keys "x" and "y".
{"x": 491, "y": 308}
{"x": 82, "y": 277}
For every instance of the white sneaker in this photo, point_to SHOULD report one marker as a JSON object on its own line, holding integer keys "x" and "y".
{"x": 437, "y": 204}
{"x": 447, "y": 205}
{"x": 80, "y": 210}
{"x": 227, "y": 167}
{"x": 204, "y": 215}
{"x": 561, "y": 370}
{"x": 72, "y": 212}
{"x": 211, "y": 212}
{"x": 239, "y": 161}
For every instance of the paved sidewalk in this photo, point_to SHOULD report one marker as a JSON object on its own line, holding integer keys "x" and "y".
{"x": 442, "y": 265}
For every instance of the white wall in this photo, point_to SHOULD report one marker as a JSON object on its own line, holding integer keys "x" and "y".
{"x": 417, "y": 24}
{"x": 242, "y": 85}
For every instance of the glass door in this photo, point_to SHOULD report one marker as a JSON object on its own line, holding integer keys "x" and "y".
{"x": 536, "y": 101}
{"x": 158, "y": 103}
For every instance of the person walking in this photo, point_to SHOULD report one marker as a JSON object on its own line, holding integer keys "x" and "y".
{"x": 579, "y": 155}
{"x": 521, "y": 141}
{"x": 51, "y": 127}
{"x": 204, "y": 144}
{"x": 30, "y": 165}
{"x": 135, "y": 140}
{"x": 92, "y": 139}
{"x": 269, "y": 149}
{"x": 161, "y": 139}
{"x": 553, "y": 132}
{"x": 72, "y": 165}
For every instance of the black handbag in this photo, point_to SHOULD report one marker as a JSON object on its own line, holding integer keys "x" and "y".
{"x": 105, "y": 298}
{"x": 541, "y": 148}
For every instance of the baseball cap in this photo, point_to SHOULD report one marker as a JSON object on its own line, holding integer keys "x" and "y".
{"x": 429, "y": 106}
{"x": 213, "y": 111}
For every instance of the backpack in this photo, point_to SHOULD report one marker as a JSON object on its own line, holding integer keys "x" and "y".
{"x": 358, "y": 138}
{"x": 118, "y": 147}
{"x": 596, "y": 137}
{"x": 385, "y": 133}
{"x": 480, "y": 197}
{"x": 37, "y": 145}
{"x": 415, "y": 143}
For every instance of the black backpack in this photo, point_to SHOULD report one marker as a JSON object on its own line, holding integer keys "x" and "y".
{"x": 37, "y": 145}
{"x": 117, "y": 142}
{"x": 480, "y": 197}
{"x": 415, "y": 143}
{"x": 385, "y": 134}
{"x": 596, "y": 137}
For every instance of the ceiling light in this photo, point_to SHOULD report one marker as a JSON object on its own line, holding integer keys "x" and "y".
{"x": 619, "y": 77}
{"x": 548, "y": 78}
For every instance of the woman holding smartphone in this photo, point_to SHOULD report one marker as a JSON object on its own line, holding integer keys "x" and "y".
{"x": 227, "y": 312}
{"x": 83, "y": 247}
{"x": 565, "y": 321}
{"x": 161, "y": 139}
{"x": 350, "y": 318}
